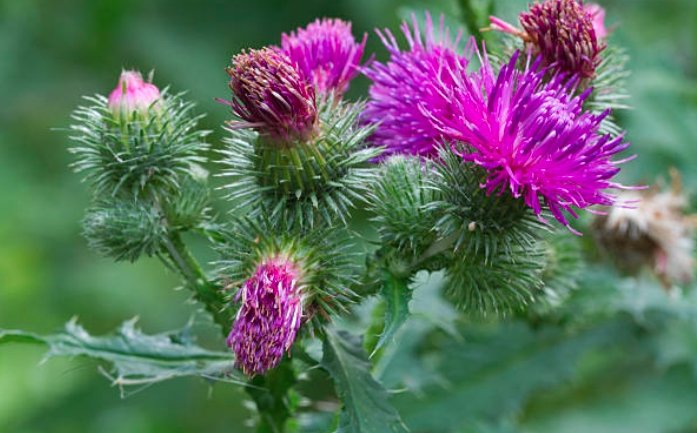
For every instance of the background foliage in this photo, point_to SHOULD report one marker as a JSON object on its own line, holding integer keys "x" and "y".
{"x": 630, "y": 365}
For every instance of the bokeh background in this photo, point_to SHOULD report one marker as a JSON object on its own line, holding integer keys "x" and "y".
{"x": 54, "y": 51}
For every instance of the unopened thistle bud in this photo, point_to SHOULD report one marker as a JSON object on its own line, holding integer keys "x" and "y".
{"x": 132, "y": 95}
{"x": 268, "y": 320}
{"x": 651, "y": 229}
{"x": 271, "y": 96}
{"x": 326, "y": 52}
{"x": 563, "y": 33}
{"x": 597, "y": 14}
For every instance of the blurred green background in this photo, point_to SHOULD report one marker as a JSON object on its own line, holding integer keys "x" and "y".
{"x": 54, "y": 51}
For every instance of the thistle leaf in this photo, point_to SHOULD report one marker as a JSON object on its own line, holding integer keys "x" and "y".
{"x": 396, "y": 293}
{"x": 136, "y": 358}
{"x": 366, "y": 403}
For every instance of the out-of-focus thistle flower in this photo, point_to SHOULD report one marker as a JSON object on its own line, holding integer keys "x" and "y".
{"x": 132, "y": 94}
{"x": 327, "y": 54}
{"x": 563, "y": 32}
{"x": 272, "y": 96}
{"x": 533, "y": 138}
{"x": 651, "y": 229}
{"x": 399, "y": 90}
{"x": 597, "y": 14}
{"x": 268, "y": 320}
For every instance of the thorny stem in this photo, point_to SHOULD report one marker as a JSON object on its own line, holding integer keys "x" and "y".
{"x": 205, "y": 291}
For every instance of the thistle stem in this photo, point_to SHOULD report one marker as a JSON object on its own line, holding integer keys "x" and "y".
{"x": 205, "y": 291}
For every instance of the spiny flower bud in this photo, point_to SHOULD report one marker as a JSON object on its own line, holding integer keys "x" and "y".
{"x": 597, "y": 14}
{"x": 268, "y": 320}
{"x": 132, "y": 94}
{"x": 563, "y": 33}
{"x": 272, "y": 96}
{"x": 326, "y": 52}
{"x": 651, "y": 229}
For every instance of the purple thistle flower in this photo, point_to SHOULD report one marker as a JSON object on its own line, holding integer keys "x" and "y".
{"x": 272, "y": 96}
{"x": 563, "y": 32}
{"x": 326, "y": 52}
{"x": 268, "y": 320}
{"x": 532, "y": 137}
{"x": 400, "y": 87}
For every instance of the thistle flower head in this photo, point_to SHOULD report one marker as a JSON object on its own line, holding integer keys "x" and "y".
{"x": 533, "y": 137}
{"x": 565, "y": 33}
{"x": 271, "y": 96}
{"x": 562, "y": 32}
{"x": 132, "y": 94}
{"x": 268, "y": 320}
{"x": 400, "y": 88}
{"x": 326, "y": 52}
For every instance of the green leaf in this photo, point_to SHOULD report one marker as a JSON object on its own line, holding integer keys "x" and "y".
{"x": 366, "y": 403}
{"x": 396, "y": 294}
{"x": 136, "y": 358}
{"x": 492, "y": 371}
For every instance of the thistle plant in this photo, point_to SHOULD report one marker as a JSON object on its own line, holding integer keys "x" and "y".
{"x": 464, "y": 161}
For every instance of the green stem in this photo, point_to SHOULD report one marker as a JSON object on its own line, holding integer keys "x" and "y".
{"x": 271, "y": 396}
{"x": 472, "y": 19}
{"x": 205, "y": 291}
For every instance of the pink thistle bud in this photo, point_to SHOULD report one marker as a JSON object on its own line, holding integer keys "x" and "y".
{"x": 132, "y": 94}
{"x": 268, "y": 320}
{"x": 326, "y": 52}
{"x": 597, "y": 14}
{"x": 272, "y": 96}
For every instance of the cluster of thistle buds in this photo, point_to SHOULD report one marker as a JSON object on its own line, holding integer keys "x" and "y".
{"x": 464, "y": 161}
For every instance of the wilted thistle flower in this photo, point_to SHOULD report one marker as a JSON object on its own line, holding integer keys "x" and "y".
{"x": 650, "y": 228}
{"x": 399, "y": 89}
{"x": 132, "y": 94}
{"x": 268, "y": 320}
{"x": 562, "y": 32}
{"x": 272, "y": 96}
{"x": 533, "y": 138}
{"x": 326, "y": 52}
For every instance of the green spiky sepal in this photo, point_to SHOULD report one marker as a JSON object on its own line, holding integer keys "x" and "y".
{"x": 138, "y": 154}
{"x": 401, "y": 199}
{"x": 305, "y": 183}
{"x": 323, "y": 256}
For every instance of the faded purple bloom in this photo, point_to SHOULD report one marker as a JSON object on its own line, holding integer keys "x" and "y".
{"x": 597, "y": 14}
{"x": 269, "y": 317}
{"x": 533, "y": 138}
{"x": 563, "y": 32}
{"x": 272, "y": 96}
{"x": 132, "y": 93}
{"x": 400, "y": 89}
{"x": 326, "y": 52}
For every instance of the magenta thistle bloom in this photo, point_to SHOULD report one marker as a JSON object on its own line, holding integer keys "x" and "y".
{"x": 532, "y": 137}
{"x": 400, "y": 88}
{"x": 326, "y": 52}
{"x": 272, "y": 96}
{"x": 132, "y": 93}
{"x": 268, "y": 320}
{"x": 563, "y": 32}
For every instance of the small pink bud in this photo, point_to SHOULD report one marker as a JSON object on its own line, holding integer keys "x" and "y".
{"x": 132, "y": 94}
{"x": 597, "y": 14}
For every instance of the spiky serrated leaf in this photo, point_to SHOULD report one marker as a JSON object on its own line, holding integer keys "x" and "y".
{"x": 366, "y": 406}
{"x": 493, "y": 370}
{"x": 396, "y": 294}
{"x": 135, "y": 358}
